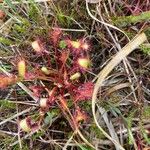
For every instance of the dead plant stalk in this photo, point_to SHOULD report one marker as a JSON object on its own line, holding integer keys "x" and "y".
{"x": 125, "y": 51}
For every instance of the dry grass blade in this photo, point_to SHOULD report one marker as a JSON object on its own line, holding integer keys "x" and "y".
{"x": 117, "y": 87}
{"x": 102, "y": 22}
{"x": 68, "y": 142}
{"x": 133, "y": 44}
{"x": 84, "y": 139}
{"x": 93, "y": 1}
{"x": 109, "y": 125}
{"x": 15, "y": 116}
{"x": 37, "y": 1}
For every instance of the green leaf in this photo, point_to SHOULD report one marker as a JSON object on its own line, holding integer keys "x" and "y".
{"x": 7, "y": 104}
{"x": 62, "y": 44}
{"x": 5, "y": 41}
{"x": 9, "y": 3}
{"x": 84, "y": 148}
{"x": 36, "y": 135}
{"x": 48, "y": 118}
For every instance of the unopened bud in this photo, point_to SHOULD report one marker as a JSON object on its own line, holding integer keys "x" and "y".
{"x": 84, "y": 62}
{"x": 75, "y": 44}
{"x": 21, "y": 68}
{"x": 43, "y": 102}
{"x": 36, "y": 46}
{"x": 80, "y": 115}
{"x": 24, "y": 125}
{"x": 85, "y": 46}
{"x": 75, "y": 76}
{"x": 45, "y": 70}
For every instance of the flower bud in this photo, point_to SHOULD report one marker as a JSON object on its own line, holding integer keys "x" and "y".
{"x": 75, "y": 76}
{"x": 25, "y": 125}
{"x": 36, "y": 46}
{"x": 85, "y": 46}
{"x": 43, "y": 102}
{"x": 75, "y": 44}
{"x": 84, "y": 62}
{"x": 45, "y": 70}
{"x": 80, "y": 115}
{"x": 21, "y": 68}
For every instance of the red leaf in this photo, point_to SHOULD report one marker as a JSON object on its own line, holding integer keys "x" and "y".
{"x": 79, "y": 115}
{"x": 84, "y": 92}
{"x": 55, "y": 35}
{"x": 6, "y": 81}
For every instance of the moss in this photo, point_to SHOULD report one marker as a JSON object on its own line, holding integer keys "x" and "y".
{"x": 5, "y": 141}
{"x": 114, "y": 98}
{"x": 24, "y": 147}
{"x": 145, "y": 48}
{"x": 123, "y": 21}
{"x": 37, "y": 135}
{"x": 7, "y": 104}
{"x": 33, "y": 12}
{"x": 63, "y": 19}
{"x": 147, "y": 32}
{"x": 130, "y": 34}
{"x": 146, "y": 112}
{"x": 62, "y": 44}
{"x": 5, "y": 41}
{"x": 23, "y": 26}
{"x": 144, "y": 133}
{"x": 129, "y": 121}
{"x": 97, "y": 132}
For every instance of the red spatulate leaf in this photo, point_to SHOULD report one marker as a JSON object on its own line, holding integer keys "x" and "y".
{"x": 64, "y": 56}
{"x": 84, "y": 92}
{"x": 55, "y": 35}
{"x": 6, "y": 81}
{"x": 79, "y": 115}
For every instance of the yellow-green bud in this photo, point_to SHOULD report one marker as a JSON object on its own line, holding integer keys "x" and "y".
{"x": 75, "y": 76}
{"x": 24, "y": 125}
{"x": 75, "y": 44}
{"x": 84, "y": 62}
{"x": 45, "y": 70}
{"x": 21, "y": 68}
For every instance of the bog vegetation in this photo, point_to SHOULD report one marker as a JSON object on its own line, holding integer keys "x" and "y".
{"x": 74, "y": 74}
